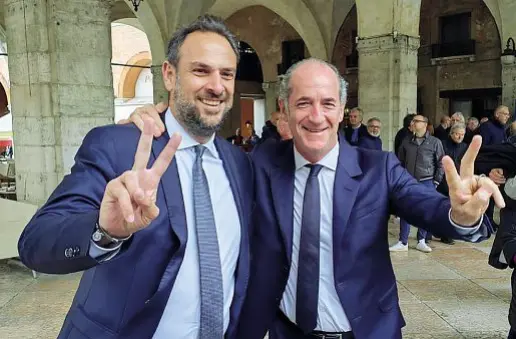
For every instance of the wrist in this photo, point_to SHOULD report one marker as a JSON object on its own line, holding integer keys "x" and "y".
{"x": 102, "y": 238}
{"x": 460, "y": 221}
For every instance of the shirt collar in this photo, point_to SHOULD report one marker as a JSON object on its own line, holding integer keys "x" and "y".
{"x": 173, "y": 126}
{"x": 329, "y": 161}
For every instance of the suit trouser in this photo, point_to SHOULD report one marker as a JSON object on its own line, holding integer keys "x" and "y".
{"x": 405, "y": 226}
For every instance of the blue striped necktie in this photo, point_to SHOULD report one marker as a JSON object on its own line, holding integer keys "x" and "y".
{"x": 212, "y": 293}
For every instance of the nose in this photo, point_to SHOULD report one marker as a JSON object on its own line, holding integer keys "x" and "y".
{"x": 316, "y": 114}
{"x": 215, "y": 85}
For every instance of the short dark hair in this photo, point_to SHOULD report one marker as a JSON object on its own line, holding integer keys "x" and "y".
{"x": 204, "y": 23}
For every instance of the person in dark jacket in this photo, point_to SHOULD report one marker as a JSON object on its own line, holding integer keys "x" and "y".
{"x": 403, "y": 132}
{"x": 355, "y": 129}
{"x": 471, "y": 129}
{"x": 502, "y": 158}
{"x": 421, "y": 156}
{"x": 372, "y": 139}
{"x": 440, "y": 132}
{"x": 270, "y": 130}
{"x": 455, "y": 147}
{"x": 493, "y": 133}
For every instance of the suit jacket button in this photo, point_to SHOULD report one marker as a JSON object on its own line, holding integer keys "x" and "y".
{"x": 68, "y": 252}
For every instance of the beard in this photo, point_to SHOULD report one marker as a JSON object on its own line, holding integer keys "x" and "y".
{"x": 190, "y": 116}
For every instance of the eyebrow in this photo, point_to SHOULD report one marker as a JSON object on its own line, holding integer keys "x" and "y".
{"x": 203, "y": 65}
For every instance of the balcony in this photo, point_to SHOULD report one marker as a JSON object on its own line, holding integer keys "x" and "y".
{"x": 458, "y": 48}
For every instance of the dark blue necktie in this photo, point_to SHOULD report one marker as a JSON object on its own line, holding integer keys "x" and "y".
{"x": 308, "y": 262}
{"x": 212, "y": 293}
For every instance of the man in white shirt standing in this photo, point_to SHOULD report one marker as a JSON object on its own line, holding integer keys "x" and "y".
{"x": 160, "y": 227}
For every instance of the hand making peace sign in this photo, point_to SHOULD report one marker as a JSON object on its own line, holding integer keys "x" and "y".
{"x": 469, "y": 193}
{"x": 129, "y": 202}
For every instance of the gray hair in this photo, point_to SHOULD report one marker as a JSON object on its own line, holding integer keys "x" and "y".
{"x": 473, "y": 119}
{"x": 456, "y": 127}
{"x": 284, "y": 81}
{"x": 373, "y": 119}
{"x": 460, "y": 116}
{"x": 204, "y": 23}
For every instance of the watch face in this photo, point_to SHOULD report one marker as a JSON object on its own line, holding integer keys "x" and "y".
{"x": 97, "y": 236}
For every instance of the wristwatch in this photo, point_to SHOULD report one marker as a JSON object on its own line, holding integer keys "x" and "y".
{"x": 102, "y": 239}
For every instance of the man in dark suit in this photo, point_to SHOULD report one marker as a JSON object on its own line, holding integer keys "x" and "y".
{"x": 319, "y": 200}
{"x": 355, "y": 130}
{"x": 321, "y": 266}
{"x": 160, "y": 227}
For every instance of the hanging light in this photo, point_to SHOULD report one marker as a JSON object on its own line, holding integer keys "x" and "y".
{"x": 509, "y": 54}
{"x": 136, "y": 4}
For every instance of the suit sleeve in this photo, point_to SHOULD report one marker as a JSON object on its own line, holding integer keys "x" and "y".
{"x": 424, "y": 207}
{"x": 439, "y": 154}
{"x": 57, "y": 239}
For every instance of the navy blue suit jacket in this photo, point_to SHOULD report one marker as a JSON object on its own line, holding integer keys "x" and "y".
{"x": 369, "y": 186}
{"x": 125, "y": 296}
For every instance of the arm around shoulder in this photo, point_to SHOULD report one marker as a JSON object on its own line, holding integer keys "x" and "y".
{"x": 58, "y": 237}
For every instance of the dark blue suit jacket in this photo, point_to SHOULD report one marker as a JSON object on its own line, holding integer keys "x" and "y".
{"x": 369, "y": 186}
{"x": 125, "y": 296}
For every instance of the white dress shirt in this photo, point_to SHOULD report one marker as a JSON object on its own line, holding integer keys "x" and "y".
{"x": 181, "y": 317}
{"x": 330, "y": 314}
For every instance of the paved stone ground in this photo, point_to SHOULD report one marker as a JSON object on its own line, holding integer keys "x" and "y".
{"x": 447, "y": 294}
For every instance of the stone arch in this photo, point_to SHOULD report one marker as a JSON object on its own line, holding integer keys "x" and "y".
{"x": 255, "y": 25}
{"x": 249, "y": 62}
{"x": 129, "y": 76}
{"x": 295, "y": 12}
{"x": 495, "y": 12}
{"x": 147, "y": 22}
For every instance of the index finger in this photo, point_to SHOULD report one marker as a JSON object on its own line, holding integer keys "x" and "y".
{"x": 467, "y": 164}
{"x": 141, "y": 158}
{"x": 167, "y": 154}
{"x": 452, "y": 177}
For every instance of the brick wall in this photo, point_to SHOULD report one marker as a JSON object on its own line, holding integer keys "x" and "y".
{"x": 483, "y": 72}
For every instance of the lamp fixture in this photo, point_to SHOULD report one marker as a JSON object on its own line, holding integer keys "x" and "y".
{"x": 136, "y": 4}
{"x": 509, "y": 54}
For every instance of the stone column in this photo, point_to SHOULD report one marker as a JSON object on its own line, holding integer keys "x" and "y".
{"x": 160, "y": 93}
{"x": 387, "y": 81}
{"x": 271, "y": 96}
{"x": 61, "y": 85}
{"x": 509, "y": 86}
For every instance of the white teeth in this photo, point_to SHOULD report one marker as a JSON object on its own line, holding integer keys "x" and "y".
{"x": 211, "y": 102}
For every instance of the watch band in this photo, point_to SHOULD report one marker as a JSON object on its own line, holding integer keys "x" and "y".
{"x": 104, "y": 240}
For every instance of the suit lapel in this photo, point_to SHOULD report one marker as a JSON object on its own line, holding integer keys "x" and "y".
{"x": 282, "y": 186}
{"x": 345, "y": 189}
{"x": 171, "y": 186}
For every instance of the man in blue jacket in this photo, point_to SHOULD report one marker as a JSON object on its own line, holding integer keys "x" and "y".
{"x": 321, "y": 266}
{"x": 160, "y": 227}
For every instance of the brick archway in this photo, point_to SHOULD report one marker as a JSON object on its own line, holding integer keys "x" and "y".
{"x": 129, "y": 75}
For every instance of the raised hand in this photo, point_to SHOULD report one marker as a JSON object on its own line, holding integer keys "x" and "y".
{"x": 129, "y": 202}
{"x": 469, "y": 193}
{"x": 150, "y": 111}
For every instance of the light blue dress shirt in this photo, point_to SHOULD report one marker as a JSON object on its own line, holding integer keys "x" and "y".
{"x": 331, "y": 316}
{"x": 181, "y": 317}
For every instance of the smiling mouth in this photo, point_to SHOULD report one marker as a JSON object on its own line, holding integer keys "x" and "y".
{"x": 315, "y": 130}
{"x": 212, "y": 103}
